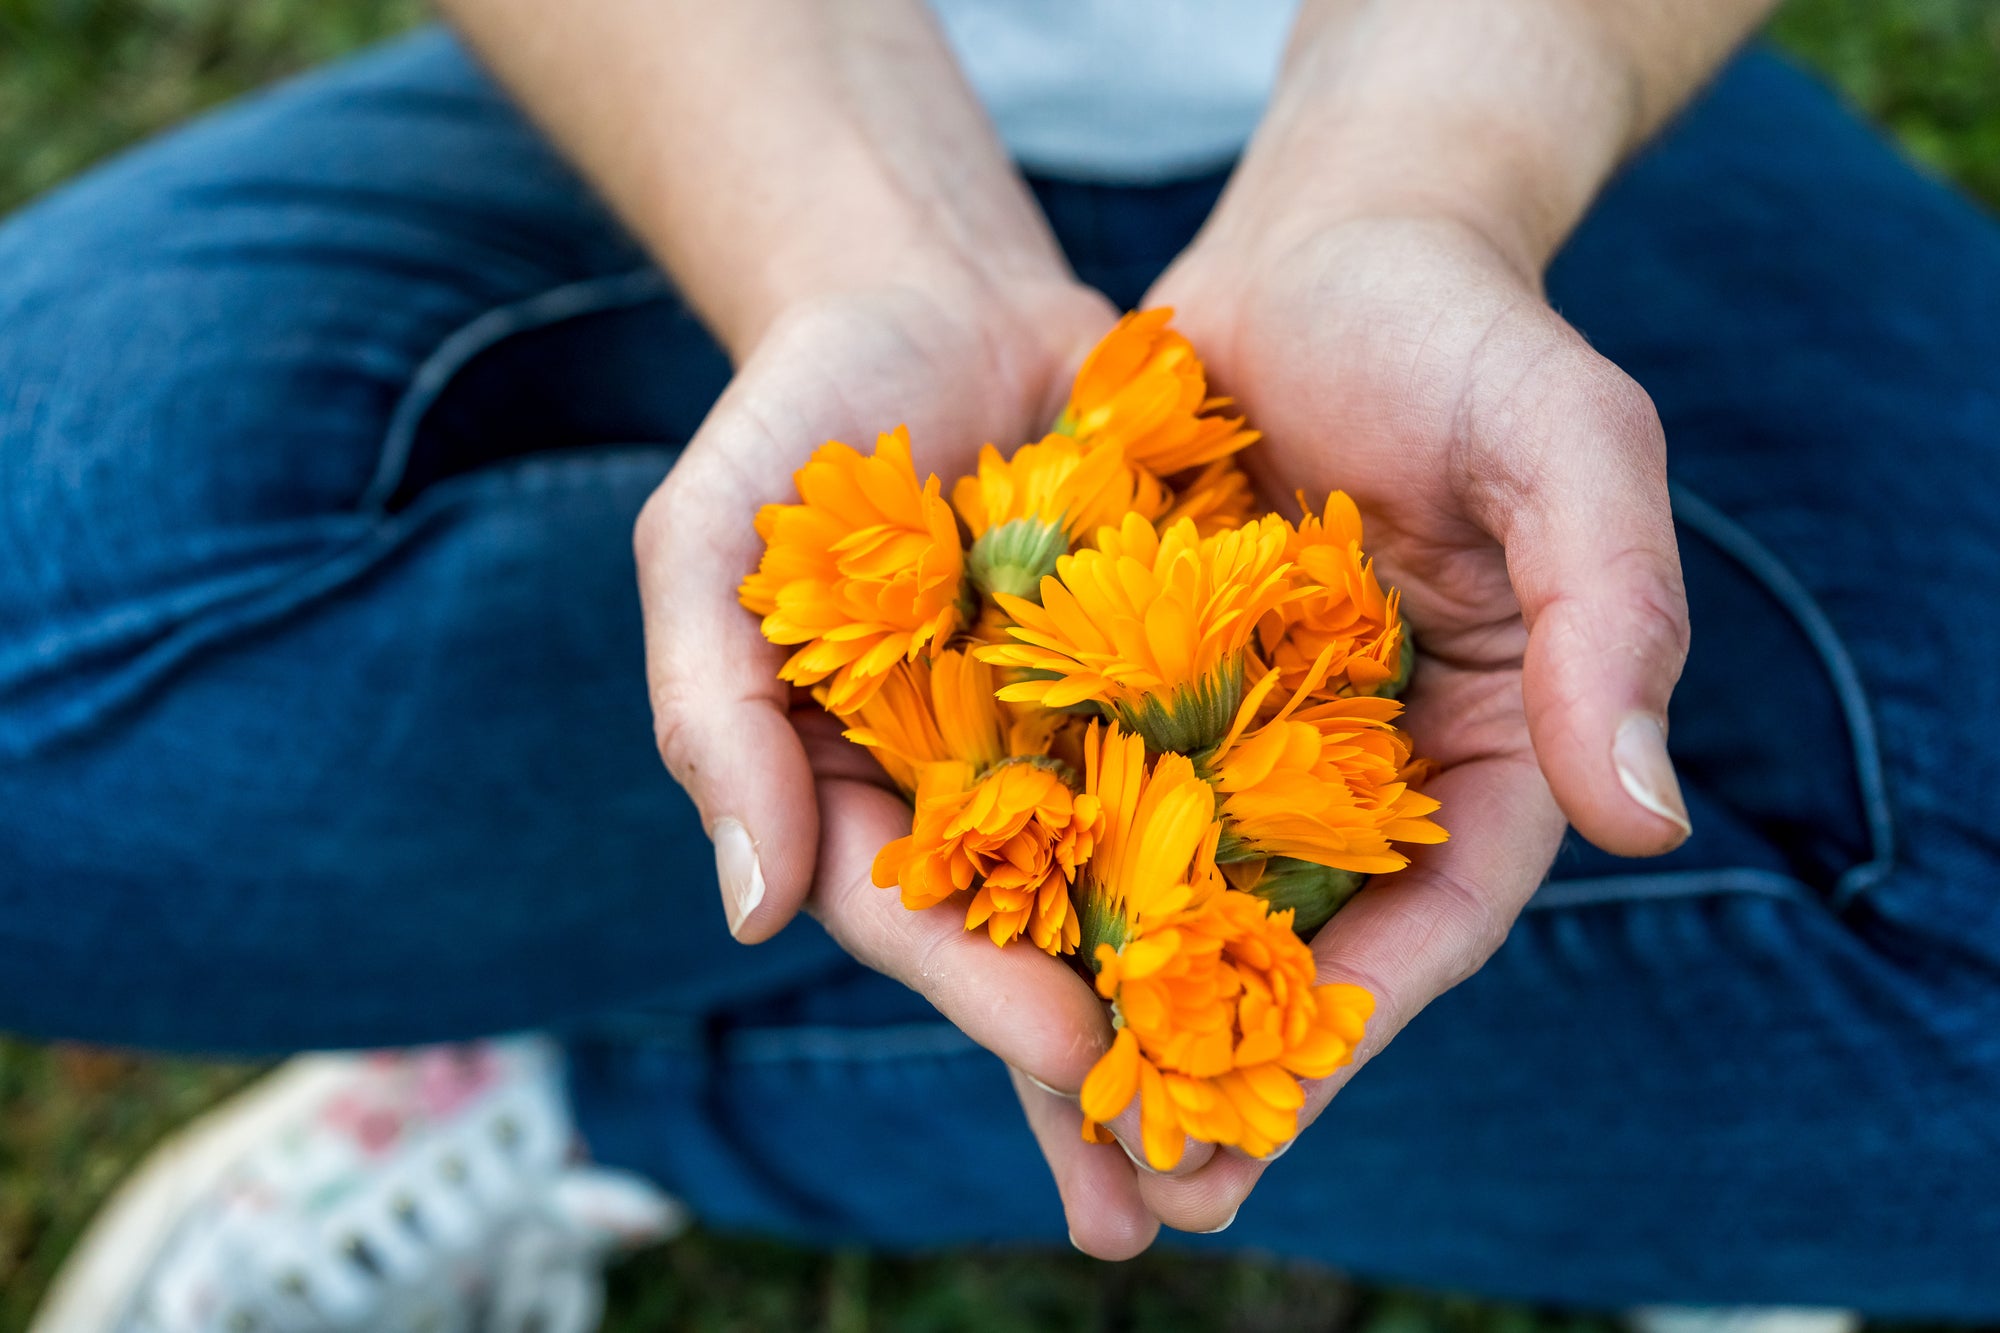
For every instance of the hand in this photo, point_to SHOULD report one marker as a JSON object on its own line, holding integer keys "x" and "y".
{"x": 1513, "y": 485}
{"x": 797, "y": 813}
{"x": 1368, "y": 288}
{"x": 952, "y": 361}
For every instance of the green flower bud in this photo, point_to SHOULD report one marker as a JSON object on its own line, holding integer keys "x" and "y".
{"x": 1312, "y": 892}
{"x": 1194, "y": 718}
{"x": 1015, "y": 556}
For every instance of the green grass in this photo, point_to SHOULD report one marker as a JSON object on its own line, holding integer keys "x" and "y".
{"x": 80, "y": 78}
{"x": 1927, "y": 69}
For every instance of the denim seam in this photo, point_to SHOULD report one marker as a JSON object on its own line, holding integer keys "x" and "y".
{"x": 544, "y": 310}
{"x": 202, "y": 628}
{"x": 353, "y": 558}
{"x": 350, "y": 556}
{"x": 1776, "y": 578}
{"x": 1736, "y": 541}
{"x": 1555, "y": 895}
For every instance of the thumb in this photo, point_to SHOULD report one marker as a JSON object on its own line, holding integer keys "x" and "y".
{"x": 1593, "y": 561}
{"x": 720, "y": 713}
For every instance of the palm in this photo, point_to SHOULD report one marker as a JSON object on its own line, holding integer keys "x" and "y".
{"x": 958, "y": 373}
{"x": 851, "y": 372}
{"x": 862, "y": 365}
{"x": 1374, "y": 362}
{"x": 1496, "y": 462}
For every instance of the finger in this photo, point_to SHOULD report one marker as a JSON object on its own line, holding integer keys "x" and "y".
{"x": 1577, "y": 493}
{"x": 1106, "y": 1218}
{"x": 829, "y": 752}
{"x": 720, "y": 713}
{"x": 1406, "y": 938}
{"x": 1025, "y": 1006}
{"x": 1125, "y": 1129}
{"x": 1205, "y": 1202}
{"x": 1125, "y": 1132}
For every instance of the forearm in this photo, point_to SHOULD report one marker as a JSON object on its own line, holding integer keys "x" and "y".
{"x": 770, "y": 152}
{"x": 1507, "y": 115}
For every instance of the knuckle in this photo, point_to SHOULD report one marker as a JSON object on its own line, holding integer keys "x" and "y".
{"x": 675, "y": 736}
{"x": 837, "y": 903}
{"x": 931, "y": 965}
{"x": 652, "y": 531}
{"x": 1655, "y": 599}
{"x": 1621, "y": 409}
{"x": 1476, "y": 926}
{"x": 1567, "y": 390}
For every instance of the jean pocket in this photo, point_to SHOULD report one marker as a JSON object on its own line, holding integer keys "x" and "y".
{"x": 1774, "y": 737}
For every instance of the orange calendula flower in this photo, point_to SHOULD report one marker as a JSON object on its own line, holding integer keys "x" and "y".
{"x": 1014, "y": 837}
{"x": 1055, "y": 481}
{"x": 994, "y": 816}
{"x": 1219, "y": 1016}
{"x": 1152, "y": 627}
{"x": 1329, "y": 784}
{"x": 938, "y": 709}
{"x": 1142, "y": 390}
{"x": 1219, "y": 498}
{"x": 865, "y": 572}
{"x": 1311, "y": 893}
{"x": 1027, "y": 510}
{"x": 1156, "y": 850}
{"x": 1344, "y": 609}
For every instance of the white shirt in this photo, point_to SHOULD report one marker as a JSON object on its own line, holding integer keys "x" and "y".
{"x": 1120, "y": 90}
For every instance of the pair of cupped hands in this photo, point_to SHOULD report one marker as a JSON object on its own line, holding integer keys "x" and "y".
{"x": 1512, "y": 482}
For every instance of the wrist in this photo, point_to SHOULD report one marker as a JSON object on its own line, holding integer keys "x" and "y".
{"x": 1009, "y": 334}
{"x": 1002, "y": 274}
{"x": 1504, "y": 119}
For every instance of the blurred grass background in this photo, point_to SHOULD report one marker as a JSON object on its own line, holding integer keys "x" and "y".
{"x": 81, "y": 78}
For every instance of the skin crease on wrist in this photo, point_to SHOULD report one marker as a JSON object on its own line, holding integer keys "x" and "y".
{"x": 827, "y": 193}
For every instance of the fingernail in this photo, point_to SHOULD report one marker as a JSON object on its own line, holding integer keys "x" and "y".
{"x": 1078, "y": 1248}
{"x": 736, "y": 868}
{"x": 1278, "y": 1151}
{"x": 1226, "y": 1224}
{"x": 1639, "y": 753}
{"x": 1053, "y": 1092}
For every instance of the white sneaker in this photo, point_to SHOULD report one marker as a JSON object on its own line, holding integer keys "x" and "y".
{"x": 435, "y": 1190}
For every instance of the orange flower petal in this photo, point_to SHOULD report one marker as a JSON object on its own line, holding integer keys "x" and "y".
{"x": 1113, "y": 1081}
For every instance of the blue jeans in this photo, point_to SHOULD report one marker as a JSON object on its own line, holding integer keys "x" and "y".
{"x": 323, "y": 424}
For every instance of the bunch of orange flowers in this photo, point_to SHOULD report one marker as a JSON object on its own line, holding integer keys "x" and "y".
{"x": 1141, "y": 725}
